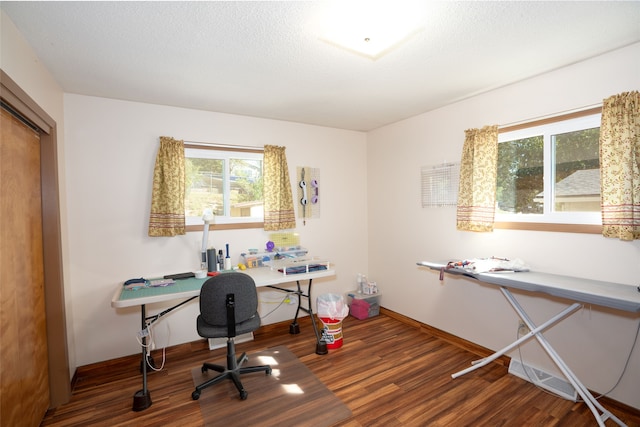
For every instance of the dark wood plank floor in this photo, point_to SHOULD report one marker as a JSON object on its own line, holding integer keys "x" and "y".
{"x": 390, "y": 372}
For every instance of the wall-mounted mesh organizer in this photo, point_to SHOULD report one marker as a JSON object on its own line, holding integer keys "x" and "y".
{"x": 440, "y": 184}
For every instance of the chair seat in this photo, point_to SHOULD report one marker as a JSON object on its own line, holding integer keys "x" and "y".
{"x": 206, "y": 330}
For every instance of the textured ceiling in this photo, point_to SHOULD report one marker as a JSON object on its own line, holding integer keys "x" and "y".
{"x": 266, "y": 59}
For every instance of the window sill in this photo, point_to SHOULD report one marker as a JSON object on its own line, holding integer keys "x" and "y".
{"x": 541, "y": 226}
{"x": 236, "y": 226}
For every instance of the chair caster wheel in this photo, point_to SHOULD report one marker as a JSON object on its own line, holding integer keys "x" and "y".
{"x": 268, "y": 372}
{"x": 195, "y": 395}
{"x": 203, "y": 369}
{"x": 243, "y": 395}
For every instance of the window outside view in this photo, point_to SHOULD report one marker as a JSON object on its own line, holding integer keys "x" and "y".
{"x": 552, "y": 173}
{"x": 577, "y": 171}
{"x": 520, "y": 175}
{"x": 228, "y": 184}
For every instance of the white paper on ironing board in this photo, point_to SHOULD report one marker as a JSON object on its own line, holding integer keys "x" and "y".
{"x": 606, "y": 294}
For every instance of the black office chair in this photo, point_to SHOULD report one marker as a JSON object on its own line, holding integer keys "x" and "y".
{"x": 228, "y": 307}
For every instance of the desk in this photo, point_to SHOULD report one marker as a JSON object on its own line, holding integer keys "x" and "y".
{"x": 189, "y": 289}
{"x": 612, "y": 295}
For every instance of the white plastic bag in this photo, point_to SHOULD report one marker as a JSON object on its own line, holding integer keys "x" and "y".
{"x": 332, "y": 306}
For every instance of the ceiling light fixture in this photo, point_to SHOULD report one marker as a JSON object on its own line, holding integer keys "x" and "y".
{"x": 371, "y": 28}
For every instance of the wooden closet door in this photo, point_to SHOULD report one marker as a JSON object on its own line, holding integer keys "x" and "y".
{"x": 24, "y": 379}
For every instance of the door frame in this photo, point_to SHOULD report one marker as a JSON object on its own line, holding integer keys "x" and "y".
{"x": 59, "y": 373}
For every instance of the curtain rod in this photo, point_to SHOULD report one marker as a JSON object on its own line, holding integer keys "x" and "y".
{"x": 228, "y": 146}
{"x": 551, "y": 116}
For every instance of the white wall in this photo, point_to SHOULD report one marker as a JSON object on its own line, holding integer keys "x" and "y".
{"x": 110, "y": 155}
{"x": 595, "y": 342}
{"x": 20, "y": 62}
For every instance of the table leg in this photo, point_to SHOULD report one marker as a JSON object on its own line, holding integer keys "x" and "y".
{"x": 142, "y": 398}
{"x": 294, "y": 327}
{"x": 321, "y": 345}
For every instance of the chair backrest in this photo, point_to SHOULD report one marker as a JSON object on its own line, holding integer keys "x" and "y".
{"x": 213, "y": 297}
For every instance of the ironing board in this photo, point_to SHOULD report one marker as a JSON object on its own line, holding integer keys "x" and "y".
{"x": 606, "y": 294}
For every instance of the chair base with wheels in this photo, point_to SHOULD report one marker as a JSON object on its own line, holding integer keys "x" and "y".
{"x": 233, "y": 371}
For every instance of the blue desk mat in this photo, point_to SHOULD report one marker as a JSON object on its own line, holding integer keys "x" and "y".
{"x": 182, "y": 285}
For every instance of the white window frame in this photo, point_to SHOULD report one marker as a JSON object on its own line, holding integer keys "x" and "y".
{"x": 549, "y": 214}
{"x": 225, "y": 154}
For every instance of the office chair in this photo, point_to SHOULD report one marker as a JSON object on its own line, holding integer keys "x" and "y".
{"x": 228, "y": 307}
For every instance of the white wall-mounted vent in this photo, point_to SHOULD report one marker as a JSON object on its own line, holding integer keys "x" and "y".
{"x": 543, "y": 379}
{"x": 440, "y": 184}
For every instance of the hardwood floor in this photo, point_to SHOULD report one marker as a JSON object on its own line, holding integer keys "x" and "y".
{"x": 390, "y": 372}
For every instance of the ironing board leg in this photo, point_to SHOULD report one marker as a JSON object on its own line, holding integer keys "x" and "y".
{"x": 587, "y": 397}
{"x": 533, "y": 331}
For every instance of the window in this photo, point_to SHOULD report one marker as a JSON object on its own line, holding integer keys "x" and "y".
{"x": 226, "y": 181}
{"x": 550, "y": 172}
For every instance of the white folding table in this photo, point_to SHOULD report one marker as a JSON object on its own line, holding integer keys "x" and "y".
{"x": 583, "y": 291}
{"x": 189, "y": 289}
